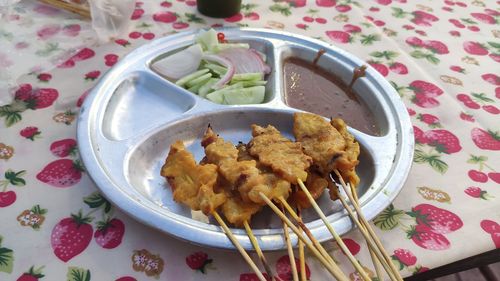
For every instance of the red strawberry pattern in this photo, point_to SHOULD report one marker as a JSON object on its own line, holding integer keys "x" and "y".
{"x": 486, "y": 140}
{"x": 63, "y": 148}
{"x": 284, "y": 270}
{"x": 353, "y": 247}
{"x": 30, "y": 133}
{"x": 476, "y": 192}
{"x": 443, "y": 141}
{"x": 71, "y": 236}
{"x": 492, "y": 228}
{"x": 32, "y": 274}
{"x": 424, "y": 237}
{"x": 405, "y": 257}
{"x": 440, "y": 56}
{"x": 7, "y": 198}
{"x": 198, "y": 261}
{"x": 109, "y": 234}
{"x": 61, "y": 173}
{"x": 437, "y": 219}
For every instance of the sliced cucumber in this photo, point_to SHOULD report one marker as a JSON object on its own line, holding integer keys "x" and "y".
{"x": 196, "y": 88}
{"x": 207, "y": 87}
{"x": 217, "y": 97}
{"x": 252, "y": 95}
{"x": 247, "y": 84}
{"x": 221, "y": 47}
{"x": 247, "y": 77}
{"x": 207, "y": 39}
{"x": 202, "y": 79}
{"x": 220, "y": 70}
{"x": 181, "y": 82}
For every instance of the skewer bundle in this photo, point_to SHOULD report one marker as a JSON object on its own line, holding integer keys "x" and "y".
{"x": 222, "y": 179}
{"x": 77, "y": 7}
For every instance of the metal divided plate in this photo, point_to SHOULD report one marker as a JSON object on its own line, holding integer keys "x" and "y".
{"x": 132, "y": 116}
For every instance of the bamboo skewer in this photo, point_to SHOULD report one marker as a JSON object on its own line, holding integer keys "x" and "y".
{"x": 302, "y": 259}
{"x": 306, "y": 230}
{"x": 369, "y": 240}
{"x": 332, "y": 268}
{"x": 375, "y": 261}
{"x": 77, "y": 9}
{"x": 291, "y": 255}
{"x": 337, "y": 238}
{"x": 368, "y": 233}
{"x": 257, "y": 248}
{"x": 238, "y": 246}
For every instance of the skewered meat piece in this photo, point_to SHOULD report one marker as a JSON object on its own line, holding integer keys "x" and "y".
{"x": 283, "y": 156}
{"x": 347, "y": 164}
{"x": 191, "y": 184}
{"x": 236, "y": 211}
{"x": 330, "y": 145}
{"x": 244, "y": 175}
{"x": 316, "y": 184}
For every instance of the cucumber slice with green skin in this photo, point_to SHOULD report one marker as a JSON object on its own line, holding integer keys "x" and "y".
{"x": 217, "y": 97}
{"x": 207, "y": 87}
{"x": 196, "y": 87}
{"x": 181, "y": 82}
{"x": 221, "y": 47}
{"x": 247, "y": 77}
{"x": 252, "y": 95}
{"x": 202, "y": 79}
{"x": 220, "y": 70}
{"x": 207, "y": 39}
{"x": 247, "y": 84}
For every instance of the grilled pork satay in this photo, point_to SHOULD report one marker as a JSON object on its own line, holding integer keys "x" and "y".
{"x": 280, "y": 187}
{"x": 191, "y": 184}
{"x": 316, "y": 184}
{"x": 347, "y": 164}
{"x": 283, "y": 156}
{"x": 330, "y": 145}
{"x": 236, "y": 211}
{"x": 244, "y": 175}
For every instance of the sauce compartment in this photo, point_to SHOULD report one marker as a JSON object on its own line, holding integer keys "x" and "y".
{"x": 323, "y": 88}
{"x": 142, "y": 101}
{"x": 263, "y": 46}
{"x": 233, "y": 124}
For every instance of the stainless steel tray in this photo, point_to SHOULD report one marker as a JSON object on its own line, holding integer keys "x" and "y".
{"x": 131, "y": 117}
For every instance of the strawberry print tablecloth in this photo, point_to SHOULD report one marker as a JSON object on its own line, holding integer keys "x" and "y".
{"x": 441, "y": 56}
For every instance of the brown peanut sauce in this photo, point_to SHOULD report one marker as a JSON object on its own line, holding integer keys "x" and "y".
{"x": 310, "y": 88}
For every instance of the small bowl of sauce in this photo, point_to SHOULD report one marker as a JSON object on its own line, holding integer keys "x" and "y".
{"x": 310, "y": 88}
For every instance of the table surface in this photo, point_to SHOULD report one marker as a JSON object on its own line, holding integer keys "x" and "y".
{"x": 441, "y": 56}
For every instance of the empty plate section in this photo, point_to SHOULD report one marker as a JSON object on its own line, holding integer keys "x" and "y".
{"x": 147, "y": 158}
{"x": 142, "y": 101}
{"x": 322, "y": 88}
{"x": 262, "y": 46}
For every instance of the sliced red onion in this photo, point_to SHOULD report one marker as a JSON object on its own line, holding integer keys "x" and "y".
{"x": 267, "y": 68}
{"x": 225, "y": 62}
{"x": 245, "y": 60}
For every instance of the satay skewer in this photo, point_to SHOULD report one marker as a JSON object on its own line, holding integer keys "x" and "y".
{"x": 291, "y": 255}
{"x": 375, "y": 261}
{"x": 257, "y": 248}
{"x": 335, "y": 235}
{"x": 306, "y": 230}
{"x": 332, "y": 268}
{"x": 369, "y": 240}
{"x": 302, "y": 258}
{"x": 74, "y": 8}
{"x": 368, "y": 233}
{"x": 238, "y": 246}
